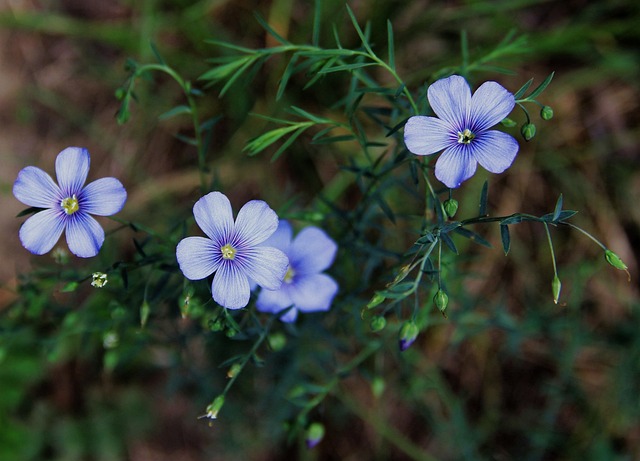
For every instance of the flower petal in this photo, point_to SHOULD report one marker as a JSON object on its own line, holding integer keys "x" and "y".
{"x": 34, "y": 187}
{"x": 230, "y": 287}
{"x": 312, "y": 251}
{"x": 103, "y": 197}
{"x": 72, "y": 167}
{"x": 197, "y": 257}
{"x": 450, "y": 99}
{"x": 273, "y": 301}
{"x": 255, "y": 223}
{"x": 312, "y": 293}
{"x": 455, "y": 165}
{"x": 214, "y": 216}
{"x": 281, "y": 238}
{"x": 264, "y": 265}
{"x": 84, "y": 235}
{"x": 427, "y": 135}
{"x": 41, "y": 231}
{"x": 490, "y": 104}
{"x": 495, "y": 150}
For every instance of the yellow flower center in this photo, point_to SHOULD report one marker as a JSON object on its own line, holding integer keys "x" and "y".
{"x": 70, "y": 204}
{"x": 466, "y": 136}
{"x": 228, "y": 252}
{"x": 288, "y": 277}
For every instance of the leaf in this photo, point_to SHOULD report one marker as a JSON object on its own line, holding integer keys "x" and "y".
{"x": 386, "y": 209}
{"x": 270, "y": 30}
{"x": 541, "y": 87}
{"x": 391, "y": 51}
{"x": 515, "y": 219}
{"x": 286, "y": 75}
{"x": 288, "y": 142}
{"x": 69, "y": 287}
{"x": 558, "y": 209}
{"x": 263, "y": 141}
{"x": 342, "y": 67}
{"x": 317, "y": 18}
{"x": 484, "y": 195}
{"x": 178, "y": 110}
{"x": 506, "y": 238}
{"x": 563, "y": 216}
{"x": 473, "y": 236}
{"x": 28, "y": 211}
{"x": 356, "y": 26}
{"x": 523, "y": 89}
{"x": 447, "y": 241}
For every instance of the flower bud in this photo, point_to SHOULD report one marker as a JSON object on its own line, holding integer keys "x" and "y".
{"x": 277, "y": 341}
{"x": 546, "y": 113}
{"x": 378, "y": 323}
{"x": 528, "y": 131}
{"x": 315, "y": 433}
{"x": 441, "y": 300}
{"x": 450, "y": 207}
{"x": 508, "y": 123}
{"x": 556, "y": 286}
{"x": 377, "y": 386}
{"x": 214, "y": 407}
{"x": 408, "y": 334}
{"x": 234, "y": 370}
{"x": 616, "y": 262}
{"x": 144, "y": 313}
{"x": 375, "y": 300}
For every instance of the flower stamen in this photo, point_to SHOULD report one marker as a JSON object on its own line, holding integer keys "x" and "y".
{"x": 70, "y": 204}
{"x": 288, "y": 277}
{"x": 228, "y": 252}
{"x": 466, "y": 136}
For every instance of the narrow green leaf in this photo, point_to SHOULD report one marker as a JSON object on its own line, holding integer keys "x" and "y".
{"x": 156, "y": 53}
{"x": 535, "y": 93}
{"x": 512, "y": 220}
{"x": 230, "y": 46}
{"x": 449, "y": 242}
{"x": 270, "y": 30}
{"x": 391, "y": 46}
{"x": 361, "y": 34}
{"x": 288, "y": 142}
{"x": 562, "y": 216}
{"x": 224, "y": 71}
{"x": 178, "y": 110}
{"x": 28, "y": 211}
{"x": 484, "y": 196}
{"x": 558, "y": 209}
{"x": 346, "y": 67}
{"x": 332, "y": 139}
{"x": 473, "y": 236}
{"x": 448, "y": 227}
{"x": 235, "y": 76}
{"x": 523, "y": 89}
{"x": 386, "y": 209}
{"x": 69, "y": 287}
{"x": 506, "y": 238}
{"x": 317, "y": 19}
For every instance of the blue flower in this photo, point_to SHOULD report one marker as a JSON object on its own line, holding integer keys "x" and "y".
{"x": 304, "y": 289}
{"x": 67, "y": 205}
{"x": 462, "y": 129}
{"x": 232, "y": 250}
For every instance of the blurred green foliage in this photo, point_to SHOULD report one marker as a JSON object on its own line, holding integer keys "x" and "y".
{"x": 508, "y": 375}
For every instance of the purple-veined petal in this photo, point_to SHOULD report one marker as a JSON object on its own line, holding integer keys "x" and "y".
{"x": 34, "y": 187}
{"x": 197, "y": 257}
{"x": 41, "y": 231}
{"x": 427, "y": 135}
{"x": 455, "y": 165}
{"x": 103, "y": 197}
{"x": 264, "y": 265}
{"x": 273, "y": 301}
{"x": 490, "y": 104}
{"x": 311, "y": 293}
{"x": 281, "y": 238}
{"x": 84, "y": 235}
{"x": 450, "y": 99}
{"x": 230, "y": 287}
{"x": 214, "y": 216}
{"x": 72, "y": 167}
{"x": 494, "y": 150}
{"x": 312, "y": 251}
{"x": 255, "y": 223}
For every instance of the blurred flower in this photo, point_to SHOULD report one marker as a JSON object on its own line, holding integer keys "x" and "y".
{"x": 462, "y": 129}
{"x": 315, "y": 433}
{"x": 99, "y": 279}
{"x": 232, "y": 250}
{"x": 408, "y": 334}
{"x": 304, "y": 288}
{"x": 67, "y": 206}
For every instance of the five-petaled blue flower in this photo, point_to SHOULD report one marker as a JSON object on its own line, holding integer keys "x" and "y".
{"x": 67, "y": 205}
{"x": 305, "y": 288}
{"x": 232, "y": 250}
{"x": 462, "y": 129}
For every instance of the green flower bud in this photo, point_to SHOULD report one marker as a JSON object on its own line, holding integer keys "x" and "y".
{"x": 378, "y": 323}
{"x": 375, "y": 300}
{"x": 546, "y": 113}
{"x": 450, "y": 207}
{"x": 315, "y": 433}
{"x": 441, "y": 300}
{"x": 556, "y": 286}
{"x": 616, "y": 262}
{"x": 144, "y": 313}
{"x": 234, "y": 370}
{"x": 214, "y": 407}
{"x": 528, "y": 131}
{"x": 277, "y": 341}
{"x": 408, "y": 334}
{"x": 377, "y": 386}
{"x": 508, "y": 123}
